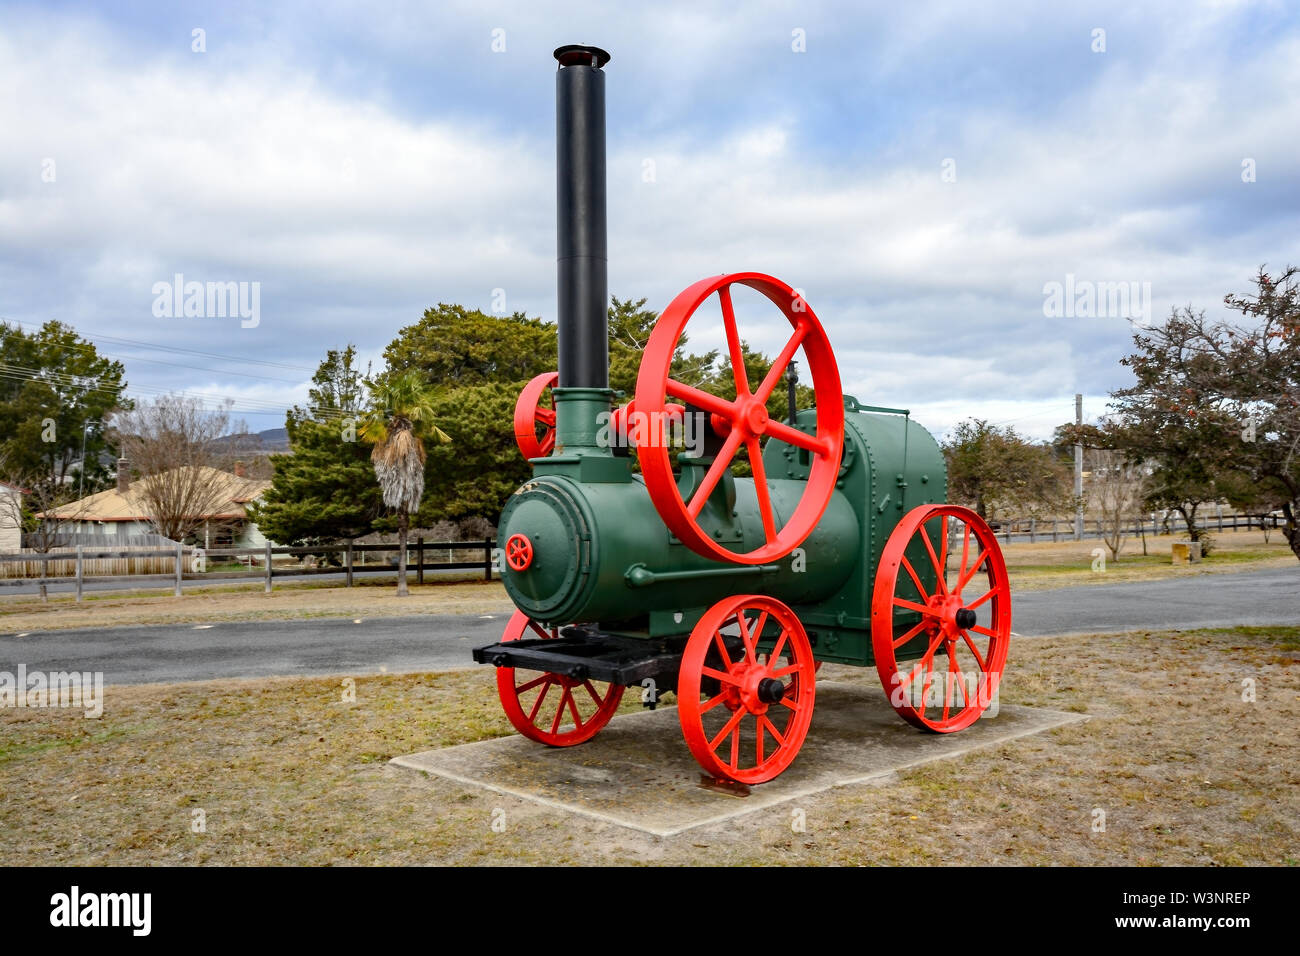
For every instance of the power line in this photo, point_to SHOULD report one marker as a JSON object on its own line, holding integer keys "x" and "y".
{"x": 173, "y": 348}
{"x": 19, "y": 373}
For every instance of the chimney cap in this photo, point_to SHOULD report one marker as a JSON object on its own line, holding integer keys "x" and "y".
{"x": 577, "y": 54}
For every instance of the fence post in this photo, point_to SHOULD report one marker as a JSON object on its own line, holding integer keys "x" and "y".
{"x": 419, "y": 559}
{"x": 179, "y": 558}
{"x": 487, "y": 559}
{"x": 80, "y": 573}
{"x": 1033, "y": 528}
{"x": 348, "y": 562}
{"x": 267, "y": 588}
{"x": 1053, "y": 531}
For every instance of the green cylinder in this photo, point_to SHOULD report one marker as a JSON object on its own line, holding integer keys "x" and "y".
{"x": 600, "y": 553}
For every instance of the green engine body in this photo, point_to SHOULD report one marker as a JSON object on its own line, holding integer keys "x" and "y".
{"x": 601, "y": 554}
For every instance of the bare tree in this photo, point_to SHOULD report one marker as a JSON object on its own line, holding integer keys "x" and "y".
{"x": 1116, "y": 488}
{"x": 172, "y": 443}
{"x": 42, "y": 513}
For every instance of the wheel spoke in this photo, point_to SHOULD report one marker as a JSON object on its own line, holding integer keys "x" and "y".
{"x": 711, "y": 478}
{"x": 778, "y": 647}
{"x": 573, "y": 709}
{"x": 540, "y": 633}
{"x": 975, "y": 650}
{"x": 908, "y": 635}
{"x": 965, "y": 555}
{"x": 760, "y": 488}
{"x": 722, "y": 648}
{"x": 713, "y": 702}
{"x": 913, "y": 606}
{"x": 965, "y": 578}
{"x": 559, "y": 712}
{"x": 532, "y": 683}
{"x": 719, "y": 675}
{"x": 928, "y": 660}
{"x": 735, "y": 744}
{"x": 701, "y": 399}
{"x": 758, "y": 741}
{"x": 782, "y": 360}
{"x": 537, "y": 704}
{"x": 943, "y": 548}
{"x": 733, "y": 343}
{"x": 793, "y": 436}
{"x": 981, "y": 629}
{"x": 727, "y": 728}
{"x": 751, "y": 644}
{"x": 947, "y": 691}
{"x": 771, "y": 729}
{"x": 546, "y": 416}
{"x": 988, "y": 594}
{"x": 934, "y": 646}
{"x": 940, "y": 583}
{"x": 915, "y": 579}
{"x": 592, "y": 691}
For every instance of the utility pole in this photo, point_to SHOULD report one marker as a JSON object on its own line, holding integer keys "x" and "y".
{"x": 81, "y": 478}
{"x": 1078, "y": 468}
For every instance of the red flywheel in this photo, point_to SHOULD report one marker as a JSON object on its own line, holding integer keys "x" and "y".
{"x": 534, "y": 422}
{"x": 744, "y": 421}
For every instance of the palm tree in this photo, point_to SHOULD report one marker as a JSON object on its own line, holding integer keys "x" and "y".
{"x": 399, "y": 421}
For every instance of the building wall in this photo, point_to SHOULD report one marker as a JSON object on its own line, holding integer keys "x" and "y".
{"x": 249, "y": 536}
{"x": 11, "y": 538}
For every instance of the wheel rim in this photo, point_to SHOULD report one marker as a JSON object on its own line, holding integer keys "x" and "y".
{"x": 940, "y": 670}
{"x": 534, "y": 422}
{"x": 733, "y": 731}
{"x": 742, "y": 422}
{"x": 550, "y": 708}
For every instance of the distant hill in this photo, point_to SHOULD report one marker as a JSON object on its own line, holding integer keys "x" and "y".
{"x": 265, "y": 442}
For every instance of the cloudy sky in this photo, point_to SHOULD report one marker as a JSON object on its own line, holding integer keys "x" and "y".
{"x": 923, "y": 171}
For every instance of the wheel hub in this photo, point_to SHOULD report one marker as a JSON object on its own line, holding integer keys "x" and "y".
{"x": 757, "y": 688}
{"x": 951, "y": 617}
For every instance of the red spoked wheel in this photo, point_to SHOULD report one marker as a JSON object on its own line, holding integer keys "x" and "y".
{"x": 550, "y": 708}
{"x": 534, "y": 422}
{"x": 745, "y": 713}
{"x": 941, "y": 603}
{"x": 744, "y": 421}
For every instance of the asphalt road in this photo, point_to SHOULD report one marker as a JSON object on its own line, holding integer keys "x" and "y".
{"x": 165, "y": 653}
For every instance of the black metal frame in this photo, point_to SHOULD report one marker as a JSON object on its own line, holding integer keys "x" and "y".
{"x": 584, "y": 653}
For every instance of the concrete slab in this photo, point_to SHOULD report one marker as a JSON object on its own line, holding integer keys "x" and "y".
{"x": 638, "y": 772}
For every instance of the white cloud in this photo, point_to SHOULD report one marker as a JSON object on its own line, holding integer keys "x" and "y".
{"x": 355, "y": 214}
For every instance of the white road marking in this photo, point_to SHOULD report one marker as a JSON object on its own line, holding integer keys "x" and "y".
{"x": 202, "y": 627}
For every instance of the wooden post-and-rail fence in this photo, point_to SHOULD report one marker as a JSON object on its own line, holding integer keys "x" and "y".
{"x": 79, "y": 564}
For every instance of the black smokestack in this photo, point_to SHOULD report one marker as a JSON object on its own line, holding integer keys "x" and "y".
{"x": 583, "y": 256}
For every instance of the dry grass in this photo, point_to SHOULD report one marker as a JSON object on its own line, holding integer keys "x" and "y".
{"x": 287, "y": 773}
{"x": 1045, "y": 564}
